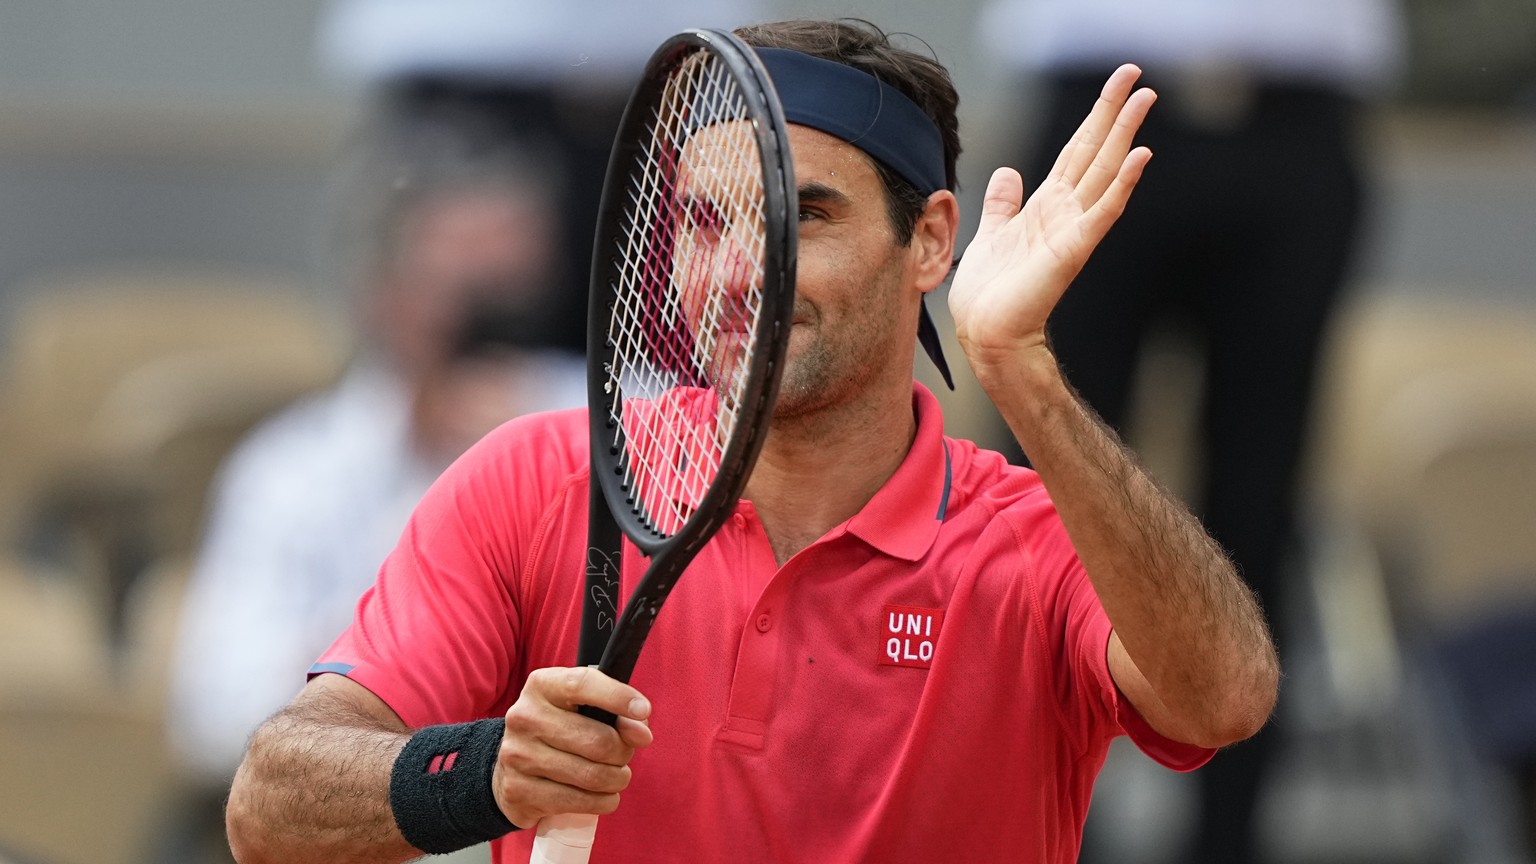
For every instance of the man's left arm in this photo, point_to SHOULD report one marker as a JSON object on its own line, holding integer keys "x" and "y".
{"x": 1190, "y": 648}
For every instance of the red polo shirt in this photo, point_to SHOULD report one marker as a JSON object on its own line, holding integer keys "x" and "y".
{"x": 926, "y": 682}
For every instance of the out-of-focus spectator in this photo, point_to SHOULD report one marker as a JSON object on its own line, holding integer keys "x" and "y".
{"x": 452, "y": 254}
{"x": 1241, "y": 237}
{"x": 554, "y": 73}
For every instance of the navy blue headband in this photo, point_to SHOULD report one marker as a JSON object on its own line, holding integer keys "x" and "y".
{"x": 861, "y": 109}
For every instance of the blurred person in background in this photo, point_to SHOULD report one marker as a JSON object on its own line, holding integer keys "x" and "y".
{"x": 557, "y": 73}
{"x": 453, "y": 255}
{"x": 1241, "y": 236}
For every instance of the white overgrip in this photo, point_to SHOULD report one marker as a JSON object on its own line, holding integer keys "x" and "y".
{"x": 565, "y": 838}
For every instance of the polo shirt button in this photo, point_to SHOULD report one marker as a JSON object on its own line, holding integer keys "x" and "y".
{"x": 739, "y": 520}
{"x": 764, "y": 622}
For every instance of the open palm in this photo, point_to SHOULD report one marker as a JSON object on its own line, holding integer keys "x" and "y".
{"x": 1025, "y": 254}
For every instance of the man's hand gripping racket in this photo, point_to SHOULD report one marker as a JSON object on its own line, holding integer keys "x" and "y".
{"x": 692, "y": 290}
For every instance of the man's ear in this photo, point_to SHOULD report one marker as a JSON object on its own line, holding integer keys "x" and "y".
{"x": 933, "y": 240}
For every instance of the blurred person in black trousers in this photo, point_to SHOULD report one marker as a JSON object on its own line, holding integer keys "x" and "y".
{"x": 1242, "y": 235}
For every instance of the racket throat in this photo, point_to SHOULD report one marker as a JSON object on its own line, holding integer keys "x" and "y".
{"x": 640, "y": 613}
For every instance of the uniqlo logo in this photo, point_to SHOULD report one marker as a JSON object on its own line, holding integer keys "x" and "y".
{"x": 908, "y": 635}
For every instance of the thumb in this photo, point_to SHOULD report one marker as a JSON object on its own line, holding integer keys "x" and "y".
{"x": 1005, "y": 195}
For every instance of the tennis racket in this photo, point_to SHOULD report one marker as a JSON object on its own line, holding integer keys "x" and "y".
{"x": 692, "y": 291}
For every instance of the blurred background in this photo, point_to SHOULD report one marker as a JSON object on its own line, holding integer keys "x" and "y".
{"x": 205, "y": 207}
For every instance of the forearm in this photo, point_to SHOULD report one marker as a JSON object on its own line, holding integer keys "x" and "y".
{"x": 314, "y": 787}
{"x": 1188, "y": 623}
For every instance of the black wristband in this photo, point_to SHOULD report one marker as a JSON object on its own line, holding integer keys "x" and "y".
{"x": 440, "y": 787}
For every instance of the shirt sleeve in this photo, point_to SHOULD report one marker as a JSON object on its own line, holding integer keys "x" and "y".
{"x": 438, "y": 637}
{"x": 1094, "y": 646}
{"x": 1077, "y": 630}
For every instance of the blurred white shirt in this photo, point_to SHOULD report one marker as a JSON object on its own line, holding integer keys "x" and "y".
{"x": 304, "y": 512}
{"x": 1354, "y": 43}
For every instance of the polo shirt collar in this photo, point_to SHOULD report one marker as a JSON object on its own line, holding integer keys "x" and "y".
{"x": 903, "y": 518}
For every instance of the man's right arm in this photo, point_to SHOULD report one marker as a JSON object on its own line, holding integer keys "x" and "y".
{"x": 315, "y": 782}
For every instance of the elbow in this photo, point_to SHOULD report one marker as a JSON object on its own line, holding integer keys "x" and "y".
{"x": 238, "y": 827}
{"x": 1237, "y": 725}
{"x": 1245, "y": 707}
{"x": 241, "y": 826}
{"x": 245, "y": 824}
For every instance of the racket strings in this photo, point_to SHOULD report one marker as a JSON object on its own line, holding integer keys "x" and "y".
{"x": 688, "y": 296}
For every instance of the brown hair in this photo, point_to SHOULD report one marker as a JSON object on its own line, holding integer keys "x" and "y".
{"x": 860, "y": 44}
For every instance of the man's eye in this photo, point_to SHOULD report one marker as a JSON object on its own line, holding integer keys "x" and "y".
{"x": 808, "y": 214}
{"x": 702, "y": 216}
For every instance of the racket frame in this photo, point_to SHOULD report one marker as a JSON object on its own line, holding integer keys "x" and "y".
{"x": 612, "y": 510}
{"x": 608, "y": 640}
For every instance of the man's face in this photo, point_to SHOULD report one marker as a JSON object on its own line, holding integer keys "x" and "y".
{"x": 855, "y": 313}
{"x": 854, "y": 316}
{"x": 719, "y": 245}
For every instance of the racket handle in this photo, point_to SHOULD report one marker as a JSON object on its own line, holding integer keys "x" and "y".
{"x": 565, "y": 838}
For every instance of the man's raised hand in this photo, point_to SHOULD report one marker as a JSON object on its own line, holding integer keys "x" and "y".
{"x": 1026, "y": 253}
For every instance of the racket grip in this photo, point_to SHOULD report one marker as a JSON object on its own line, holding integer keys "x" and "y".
{"x": 564, "y": 838}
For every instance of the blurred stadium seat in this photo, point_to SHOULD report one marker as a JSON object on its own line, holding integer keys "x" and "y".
{"x": 83, "y": 776}
{"x": 1422, "y": 537}
{"x": 123, "y": 390}
{"x": 49, "y": 631}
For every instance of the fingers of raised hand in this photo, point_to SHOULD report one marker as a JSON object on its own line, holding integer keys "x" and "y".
{"x": 1109, "y": 163}
{"x": 1005, "y": 195}
{"x": 1102, "y": 215}
{"x": 1084, "y": 147}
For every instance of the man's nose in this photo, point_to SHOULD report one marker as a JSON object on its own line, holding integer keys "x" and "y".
{"x": 722, "y": 268}
{"x": 734, "y": 269}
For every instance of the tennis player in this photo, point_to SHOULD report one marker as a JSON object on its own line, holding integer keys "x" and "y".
{"x": 899, "y": 648}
